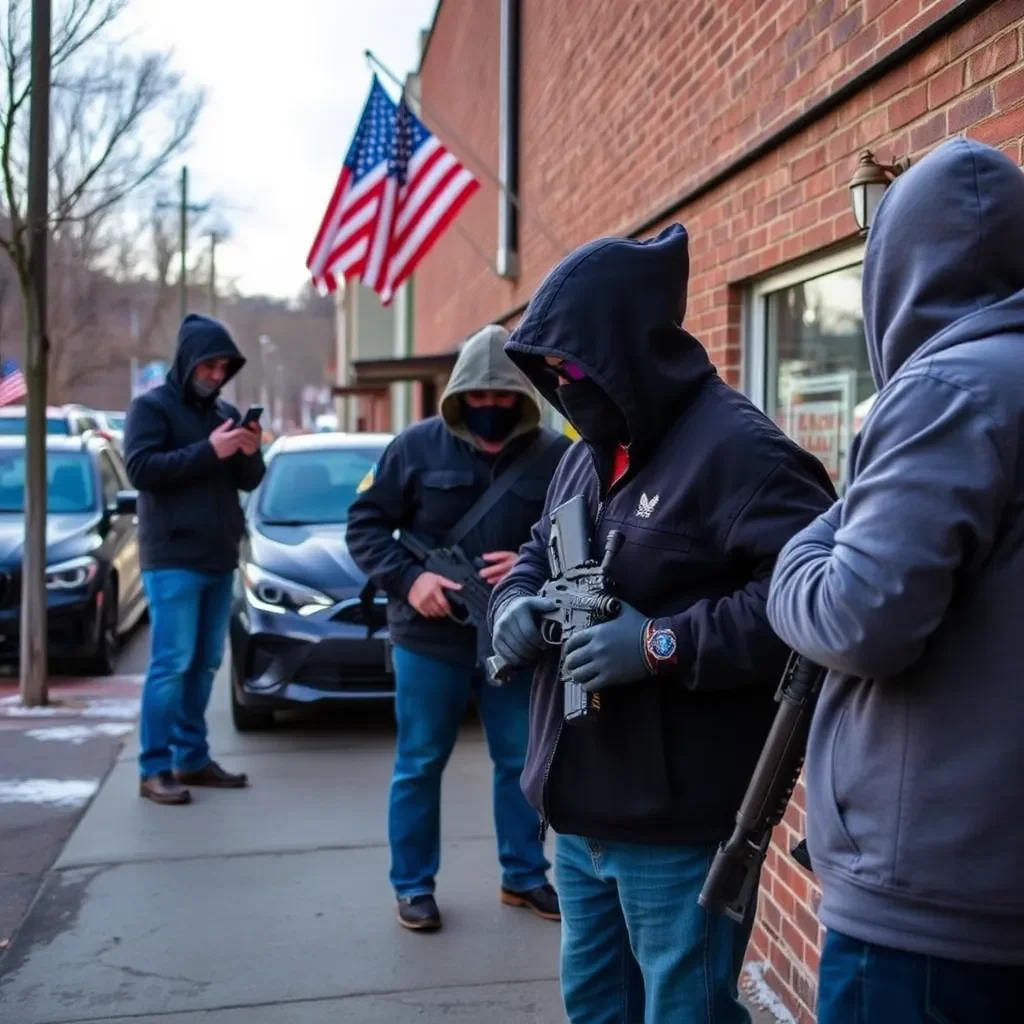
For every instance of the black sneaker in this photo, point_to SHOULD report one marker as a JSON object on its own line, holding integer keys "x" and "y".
{"x": 543, "y": 901}
{"x": 419, "y": 913}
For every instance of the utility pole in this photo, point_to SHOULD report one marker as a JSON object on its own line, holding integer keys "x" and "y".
{"x": 266, "y": 348}
{"x": 33, "y": 667}
{"x": 213, "y": 273}
{"x": 184, "y": 209}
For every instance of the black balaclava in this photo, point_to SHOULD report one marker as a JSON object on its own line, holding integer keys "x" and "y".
{"x": 490, "y": 422}
{"x": 595, "y": 416}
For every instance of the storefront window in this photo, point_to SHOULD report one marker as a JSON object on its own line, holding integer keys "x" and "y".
{"x": 816, "y": 377}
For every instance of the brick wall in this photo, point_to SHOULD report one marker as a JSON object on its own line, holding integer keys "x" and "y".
{"x": 628, "y": 104}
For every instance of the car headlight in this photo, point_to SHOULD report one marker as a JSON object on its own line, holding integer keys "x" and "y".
{"x": 272, "y": 593}
{"x": 71, "y": 575}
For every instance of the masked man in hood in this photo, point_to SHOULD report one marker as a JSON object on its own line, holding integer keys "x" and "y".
{"x": 705, "y": 490}
{"x": 188, "y": 459}
{"x": 434, "y": 480}
{"x": 909, "y": 590}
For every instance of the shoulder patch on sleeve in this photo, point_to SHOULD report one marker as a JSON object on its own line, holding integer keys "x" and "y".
{"x": 367, "y": 481}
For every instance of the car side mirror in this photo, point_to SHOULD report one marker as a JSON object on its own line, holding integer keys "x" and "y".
{"x": 126, "y": 503}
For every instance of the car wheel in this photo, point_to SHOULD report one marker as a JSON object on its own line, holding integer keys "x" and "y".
{"x": 248, "y": 719}
{"x": 104, "y": 660}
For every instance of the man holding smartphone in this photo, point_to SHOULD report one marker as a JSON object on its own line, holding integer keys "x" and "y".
{"x": 189, "y": 453}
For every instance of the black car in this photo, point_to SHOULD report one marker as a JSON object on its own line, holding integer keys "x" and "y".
{"x": 300, "y": 635}
{"x": 93, "y": 581}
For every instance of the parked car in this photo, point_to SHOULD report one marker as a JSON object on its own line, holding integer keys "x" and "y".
{"x": 300, "y": 635}
{"x": 71, "y": 420}
{"x": 93, "y": 581}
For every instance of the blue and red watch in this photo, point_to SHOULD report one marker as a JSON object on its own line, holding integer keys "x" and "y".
{"x": 660, "y": 647}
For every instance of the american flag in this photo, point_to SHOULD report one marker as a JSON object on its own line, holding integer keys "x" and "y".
{"x": 12, "y": 382}
{"x": 398, "y": 191}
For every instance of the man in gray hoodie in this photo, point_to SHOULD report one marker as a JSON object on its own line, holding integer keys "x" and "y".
{"x": 432, "y": 482}
{"x": 909, "y": 590}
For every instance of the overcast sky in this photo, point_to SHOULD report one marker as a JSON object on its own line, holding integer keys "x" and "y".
{"x": 286, "y": 81}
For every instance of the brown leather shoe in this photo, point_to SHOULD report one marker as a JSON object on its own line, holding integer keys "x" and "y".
{"x": 542, "y": 901}
{"x": 163, "y": 788}
{"x": 211, "y": 774}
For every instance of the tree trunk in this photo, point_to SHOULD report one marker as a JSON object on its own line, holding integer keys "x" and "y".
{"x": 33, "y": 292}
{"x": 33, "y": 562}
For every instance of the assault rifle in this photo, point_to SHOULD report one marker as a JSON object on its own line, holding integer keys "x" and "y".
{"x": 468, "y": 605}
{"x": 731, "y": 884}
{"x": 579, "y": 590}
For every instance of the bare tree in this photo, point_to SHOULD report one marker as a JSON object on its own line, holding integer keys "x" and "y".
{"x": 116, "y": 120}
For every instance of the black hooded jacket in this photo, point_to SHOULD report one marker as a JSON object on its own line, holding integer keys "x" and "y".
{"x": 713, "y": 491}
{"x": 189, "y": 514}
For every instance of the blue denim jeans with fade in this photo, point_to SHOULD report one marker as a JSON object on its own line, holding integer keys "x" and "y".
{"x": 861, "y": 983}
{"x": 188, "y": 613}
{"x": 431, "y": 696}
{"x": 637, "y": 948}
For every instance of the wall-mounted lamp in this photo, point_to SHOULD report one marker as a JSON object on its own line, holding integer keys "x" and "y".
{"x": 868, "y": 185}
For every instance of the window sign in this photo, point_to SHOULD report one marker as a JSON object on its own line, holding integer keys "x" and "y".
{"x": 816, "y": 414}
{"x": 807, "y": 359}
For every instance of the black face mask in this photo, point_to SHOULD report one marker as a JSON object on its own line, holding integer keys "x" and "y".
{"x": 594, "y": 415}
{"x": 490, "y": 422}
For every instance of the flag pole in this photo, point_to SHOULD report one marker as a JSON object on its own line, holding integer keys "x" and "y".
{"x": 482, "y": 166}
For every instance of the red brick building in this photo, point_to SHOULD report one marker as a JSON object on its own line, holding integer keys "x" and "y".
{"x": 743, "y": 119}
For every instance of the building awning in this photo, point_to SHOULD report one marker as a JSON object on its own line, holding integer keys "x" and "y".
{"x": 359, "y": 391}
{"x": 407, "y": 368}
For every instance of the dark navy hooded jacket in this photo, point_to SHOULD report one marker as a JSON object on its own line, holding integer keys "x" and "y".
{"x": 431, "y": 475}
{"x": 713, "y": 492}
{"x": 911, "y": 589}
{"x": 189, "y": 514}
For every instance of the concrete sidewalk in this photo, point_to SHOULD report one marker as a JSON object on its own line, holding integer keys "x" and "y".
{"x": 271, "y": 906}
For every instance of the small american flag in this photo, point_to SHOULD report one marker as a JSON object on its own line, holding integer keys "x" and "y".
{"x": 398, "y": 191}
{"x": 12, "y": 382}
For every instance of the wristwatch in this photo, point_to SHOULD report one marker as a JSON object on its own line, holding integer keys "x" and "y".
{"x": 660, "y": 647}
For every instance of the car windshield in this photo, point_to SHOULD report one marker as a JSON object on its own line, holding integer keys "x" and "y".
{"x": 115, "y": 420}
{"x": 69, "y": 482}
{"x": 306, "y": 488}
{"x": 10, "y": 425}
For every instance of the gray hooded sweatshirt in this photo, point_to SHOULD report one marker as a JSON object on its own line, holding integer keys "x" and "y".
{"x": 911, "y": 588}
{"x": 483, "y": 366}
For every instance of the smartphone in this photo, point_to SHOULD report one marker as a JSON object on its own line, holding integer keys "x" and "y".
{"x": 252, "y": 415}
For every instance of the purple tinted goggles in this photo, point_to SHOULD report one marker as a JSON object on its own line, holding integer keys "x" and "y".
{"x": 568, "y": 371}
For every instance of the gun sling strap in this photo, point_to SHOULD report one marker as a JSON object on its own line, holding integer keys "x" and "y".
{"x": 499, "y": 488}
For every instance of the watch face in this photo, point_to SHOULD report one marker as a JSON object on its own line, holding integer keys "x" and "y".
{"x": 662, "y": 644}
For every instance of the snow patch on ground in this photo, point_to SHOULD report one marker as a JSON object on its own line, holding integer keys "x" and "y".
{"x": 11, "y": 707}
{"x": 52, "y": 792}
{"x": 760, "y": 992}
{"x": 99, "y": 707}
{"x": 79, "y": 734}
{"x": 110, "y": 707}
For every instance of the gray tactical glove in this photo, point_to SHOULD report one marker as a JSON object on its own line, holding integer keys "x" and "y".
{"x": 609, "y": 654}
{"x": 517, "y": 639}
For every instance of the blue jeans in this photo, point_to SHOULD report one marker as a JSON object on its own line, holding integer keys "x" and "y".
{"x": 430, "y": 699}
{"x": 636, "y": 946}
{"x": 861, "y": 983}
{"x": 188, "y": 614}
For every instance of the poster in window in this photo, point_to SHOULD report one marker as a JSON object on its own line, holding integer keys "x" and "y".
{"x": 817, "y": 416}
